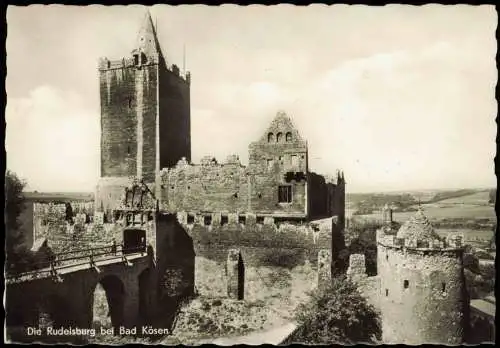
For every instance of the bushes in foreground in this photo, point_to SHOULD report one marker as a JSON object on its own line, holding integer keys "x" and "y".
{"x": 338, "y": 314}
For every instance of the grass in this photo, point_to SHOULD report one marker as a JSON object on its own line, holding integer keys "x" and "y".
{"x": 218, "y": 317}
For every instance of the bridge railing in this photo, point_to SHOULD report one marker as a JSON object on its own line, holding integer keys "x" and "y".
{"x": 53, "y": 262}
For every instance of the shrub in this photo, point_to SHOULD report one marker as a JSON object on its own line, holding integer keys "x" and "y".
{"x": 337, "y": 314}
{"x": 18, "y": 257}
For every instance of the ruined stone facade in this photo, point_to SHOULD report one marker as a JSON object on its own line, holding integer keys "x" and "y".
{"x": 275, "y": 183}
{"x": 420, "y": 285}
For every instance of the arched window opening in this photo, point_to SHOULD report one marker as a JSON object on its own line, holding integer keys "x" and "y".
{"x": 270, "y": 164}
{"x": 386, "y": 292}
{"x": 140, "y": 59}
{"x": 207, "y": 220}
{"x": 406, "y": 284}
{"x": 270, "y": 137}
{"x": 443, "y": 287}
{"x": 279, "y": 137}
{"x": 288, "y": 137}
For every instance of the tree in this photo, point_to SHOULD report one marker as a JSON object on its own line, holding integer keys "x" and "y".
{"x": 493, "y": 240}
{"x": 18, "y": 257}
{"x": 69, "y": 213}
{"x": 14, "y": 200}
{"x": 492, "y": 196}
{"x": 14, "y": 204}
{"x": 338, "y": 314}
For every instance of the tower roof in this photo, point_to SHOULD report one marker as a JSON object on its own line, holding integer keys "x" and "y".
{"x": 418, "y": 227}
{"x": 147, "y": 41}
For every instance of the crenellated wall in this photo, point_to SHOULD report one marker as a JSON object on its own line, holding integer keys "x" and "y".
{"x": 281, "y": 248}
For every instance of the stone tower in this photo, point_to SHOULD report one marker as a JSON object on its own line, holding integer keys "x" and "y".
{"x": 423, "y": 298}
{"x": 145, "y": 116}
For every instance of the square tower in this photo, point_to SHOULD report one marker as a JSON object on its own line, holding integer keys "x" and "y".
{"x": 145, "y": 116}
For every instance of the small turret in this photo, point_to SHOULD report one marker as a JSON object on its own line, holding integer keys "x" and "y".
{"x": 387, "y": 212}
{"x": 421, "y": 284}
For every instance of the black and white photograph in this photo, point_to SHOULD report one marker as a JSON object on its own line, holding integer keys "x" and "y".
{"x": 227, "y": 175}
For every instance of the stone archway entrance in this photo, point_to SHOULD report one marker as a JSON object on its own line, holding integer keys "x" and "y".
{"x": 108, "y": 303}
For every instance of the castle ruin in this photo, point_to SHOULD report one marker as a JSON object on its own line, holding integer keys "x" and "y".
{"x": 145, "y": 134}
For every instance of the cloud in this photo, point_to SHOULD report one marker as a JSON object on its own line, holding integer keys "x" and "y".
{"x": 52, "y": 140}
{"x": 411, "y": 107}
{"x": 401, "y": 118}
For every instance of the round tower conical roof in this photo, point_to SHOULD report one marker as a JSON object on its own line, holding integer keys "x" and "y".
{"x": 418, "y": 227}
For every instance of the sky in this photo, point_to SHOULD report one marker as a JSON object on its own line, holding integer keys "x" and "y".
{"x": 398, "y": 97}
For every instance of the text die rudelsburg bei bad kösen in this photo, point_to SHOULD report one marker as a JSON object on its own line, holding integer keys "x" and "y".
{"x": 75, "y": 331}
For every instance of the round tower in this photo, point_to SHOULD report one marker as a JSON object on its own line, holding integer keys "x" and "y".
{"x": 423, "y": 298}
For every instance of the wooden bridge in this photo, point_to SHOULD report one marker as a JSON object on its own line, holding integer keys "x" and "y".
{"x": 56, "y": 264}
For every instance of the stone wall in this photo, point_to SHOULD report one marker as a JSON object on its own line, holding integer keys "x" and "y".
{"x": 175, "y": 117}
{"x": 229, "y": 187}
{"x": 280, "y": 289}
{"x": 49, "y": 221}
{"x": 276, "y": 257}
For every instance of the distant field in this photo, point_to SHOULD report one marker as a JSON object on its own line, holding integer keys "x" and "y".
{"x": 468, "y": 206}
{"x": 58, "y": 196}
{"x": 435, "y": 212}
{"x": 479, "y": 198}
